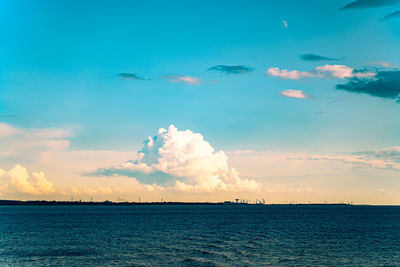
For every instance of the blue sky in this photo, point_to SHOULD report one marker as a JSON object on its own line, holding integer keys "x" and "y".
{"x": 61, "y": 60}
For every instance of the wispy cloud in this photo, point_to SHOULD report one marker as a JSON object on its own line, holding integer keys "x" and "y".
{"x": 314, "y": 57}
{"x": 293, "y": 94}
{"x": 289, "y": 74}
{"x": 22, "y": 143}
{"x": 101, "y": 190}
{"x": 318, "y": 164}
{"x": 184, "y": 79}
{"x": 326, "y": 71}
{"x": 386, "y": 84}
{"x": 7, "y": 130}
{"x": 358, "y": 161}
{"x": 382, "y": 64}
{"x": 389, "y": 154}
{"x": 362, "y": 4}
{"x": 387, "y": 158}
{"x": 395, "y": 14}
{"x": 341, "y": 72}
{"x": 130, "y": 76}
{"x": 9, "y": 116}
{"x": 239, "y": 69}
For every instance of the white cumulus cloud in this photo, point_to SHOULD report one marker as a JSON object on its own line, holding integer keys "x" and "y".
{"x": 293, "y": 94}
{"x": 18, "y": 180}
{"x": 186, "y": 161}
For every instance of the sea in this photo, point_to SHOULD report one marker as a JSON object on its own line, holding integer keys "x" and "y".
{"x": 200, "y": 235}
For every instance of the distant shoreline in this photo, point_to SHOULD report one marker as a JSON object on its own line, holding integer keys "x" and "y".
{"x": 111, "y": 203}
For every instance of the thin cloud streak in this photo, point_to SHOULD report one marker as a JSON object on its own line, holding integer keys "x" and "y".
{"x": 363, "y": 4}
{"x": 314, "y": 57}
{"x": 238, "y": 69}
{"x": 395, "y": 14}
{"x": 130, "y": 76}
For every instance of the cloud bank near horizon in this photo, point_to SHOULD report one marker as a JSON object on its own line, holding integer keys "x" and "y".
{"x": 18, "y": 180}
{"x": 385, "y": 159}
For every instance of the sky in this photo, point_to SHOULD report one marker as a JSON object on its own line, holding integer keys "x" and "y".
{"x": 286, "y": 101}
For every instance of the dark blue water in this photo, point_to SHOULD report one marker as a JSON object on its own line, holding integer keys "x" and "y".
{"x": 199, "y": 235}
